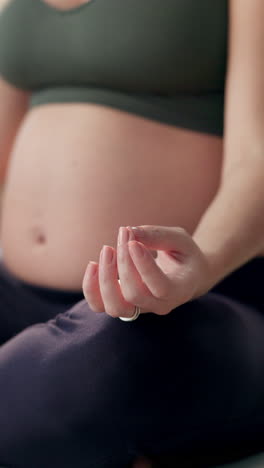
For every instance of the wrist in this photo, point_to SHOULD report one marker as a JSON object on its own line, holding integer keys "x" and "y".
{"x": 218, "y": 267}
{"x": 206, "y": 278}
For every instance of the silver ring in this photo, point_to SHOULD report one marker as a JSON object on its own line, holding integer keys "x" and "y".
{"x": 134, "y": 316}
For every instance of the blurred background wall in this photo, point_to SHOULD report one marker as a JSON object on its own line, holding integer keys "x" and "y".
{"x": 2, "y": 2}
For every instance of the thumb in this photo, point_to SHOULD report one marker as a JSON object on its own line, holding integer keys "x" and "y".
{"x": 165, "y": 238}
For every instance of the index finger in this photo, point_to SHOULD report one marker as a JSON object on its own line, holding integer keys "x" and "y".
{"x": 152, "y": 275}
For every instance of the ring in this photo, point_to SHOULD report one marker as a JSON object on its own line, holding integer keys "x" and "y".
{"x": 134, "y": 317}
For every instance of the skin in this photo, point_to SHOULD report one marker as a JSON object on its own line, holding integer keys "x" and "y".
{"x": 221, "y": 249}
{"x": 66, "y": 4}
{"x": 39, "y": 246}
{"x": 27, "y": 217}
{"x": 226, "y": 241}
{"x": 176, "y": 276}
{"x": 60, "y": 164}
{"x": 41, "y": 228}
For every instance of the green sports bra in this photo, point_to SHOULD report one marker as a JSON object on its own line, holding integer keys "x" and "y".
{"x": 164, "y": 60}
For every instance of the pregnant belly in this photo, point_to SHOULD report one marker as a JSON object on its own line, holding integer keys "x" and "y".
{"x": 78, "y": 172}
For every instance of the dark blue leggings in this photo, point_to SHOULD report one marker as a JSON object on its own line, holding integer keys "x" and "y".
{"x": 84, "y": 390}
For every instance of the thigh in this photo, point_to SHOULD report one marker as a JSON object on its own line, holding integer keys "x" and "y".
{"x": 96, "y": 391}
{"x": 172, "y": 384}
{"x": 23, "y": 304}
{"x": 107, "y": 391}
{"x": 199, "y": 369}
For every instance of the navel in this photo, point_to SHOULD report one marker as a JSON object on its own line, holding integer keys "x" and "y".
{"x": 38, "y": 235}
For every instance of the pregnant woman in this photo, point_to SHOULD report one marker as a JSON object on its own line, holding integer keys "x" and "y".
{"x": 120, "y": 114}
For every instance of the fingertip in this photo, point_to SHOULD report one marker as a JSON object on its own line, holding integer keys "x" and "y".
{"x": 138, "y": 247}
{"x": 90, "y": 274}
{"x": 137, "y": 231}
{"x": 91, "y": 269}
{"x": 131, "y": 234}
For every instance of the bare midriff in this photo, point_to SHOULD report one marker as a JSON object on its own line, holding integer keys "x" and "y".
{"x": 79, "y": 171}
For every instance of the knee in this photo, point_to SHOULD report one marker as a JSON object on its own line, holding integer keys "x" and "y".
{"x": 219, "y": 352}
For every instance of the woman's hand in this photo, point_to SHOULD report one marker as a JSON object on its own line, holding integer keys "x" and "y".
{"x": 177, "y": 275}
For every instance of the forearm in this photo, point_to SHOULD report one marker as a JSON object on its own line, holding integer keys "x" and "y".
{"x": 231, "y": 231}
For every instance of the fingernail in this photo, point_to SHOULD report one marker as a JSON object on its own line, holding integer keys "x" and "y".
{"x": 136, "y": 249}
{"x": 106, "y": 254}
{"x": 131, "y": 235}
{"x": 91, "y": 269}
{"x": 138, "y": 231}
{"x": 122, "y": 235}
